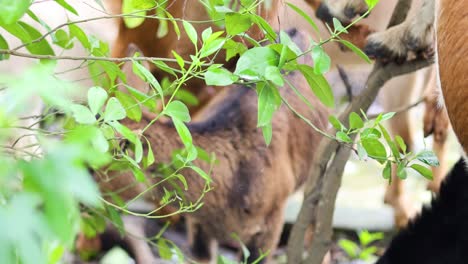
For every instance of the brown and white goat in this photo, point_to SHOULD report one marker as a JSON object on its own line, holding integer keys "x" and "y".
{"x": 251, "y": 180}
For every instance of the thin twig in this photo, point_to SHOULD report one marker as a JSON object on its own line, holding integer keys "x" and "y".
{"x": 401, "y": 109}
{"x": 344, "y": 77}
{"x": 88, "y": 58}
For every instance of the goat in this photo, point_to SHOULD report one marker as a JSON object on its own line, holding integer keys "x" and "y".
{"x": 252, "y": 181}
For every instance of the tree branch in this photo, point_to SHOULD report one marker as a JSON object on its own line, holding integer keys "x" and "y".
{"x": 324, "y": 180}
{"x": 401, "y": 109}
{"x": 88, "y": 58}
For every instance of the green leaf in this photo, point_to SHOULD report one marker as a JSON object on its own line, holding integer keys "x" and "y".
{"x": 371, "y": 133}
{"x": 428, "y": 157}
{"x": 253, "y": 63}
{"x": 336, "y": 123}
{"x": 401, "y": 171}
{"x": 211, "y": 47}
{"x": 100, "y": 142}
{"x": 322, "y": 61}
{"x": 124, "y": 131}
{"x": 183, "y": 132}
{"x": 272, "y": 73}
{"x": 163, "y": 249}
{"x": 182, "y": 179}
{"x": 387, "y": 171}
{"x": 224, "y": 260}
{"x": 361, "y": 152}
{"x": 206, "y": 34}
{"x": 115, "y": 219}
{"x": 4, "y": 46}
{"x": 150, "y": 156}
{"x": 144, "y": 4}
{"x": 175, "y": 26}
{"x": 179, "y": 59}
{"x": 237, "y": 23}
{"x": 319, "y": 85}
{"x": 143, "y": 98}
{"x": 356, "y": 50}
{"x": 164, "y": 67}
{"x": 65, "y": 5}
{"x": 163, "y": 28}
{"x": 139, "y": 175}
{"x": 42, "y": 47}
{"x": 114, "y": 110}
{"x": 351, "y": 248}
{"x": 178, "y": 110}
{"x": 82, "y": 114}
{"x": 267, "y": 132}
{"x": 389, "y": 141}
{"x": 265, "y": 26}
{"x": 129, "y": 7}
{"x": 192, "y": 153}
{"x": 219, "y": 77}
{"x": 387, "y": 116}
{"x": 130, "y": 105}
{"x": 371, "y": 3}
{"x": 77, "y": 32}
{"x": 424, "y": 171}
{"x": 12, "y": 10}
{"x": 343, "y": 137}
{"x": 62, "y": 39}
{"x": 305, "y": 16}
{"x": 191, "y": 32}
{"x": 97, "y": 96}
{"x": 186, "y": 97}
{"x": 338, "y": 26}
{"x": 374, "y": 148}
{"x": 382, "y": 117}
{"x": 365, "y": 237}
{"x": 269, "y": 101}
{"x": 401, "y": 143}
{"x": 367, "y": 253}
{"x": 355, "y": 121}
{"x": 141, "y": 71}
{"x": 286, "y": 40}
{"x": 200, "y": 172}
{"x": 233, "y": 49}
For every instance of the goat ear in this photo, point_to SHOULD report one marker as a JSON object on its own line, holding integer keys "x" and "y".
{"x": 133, "y": 79}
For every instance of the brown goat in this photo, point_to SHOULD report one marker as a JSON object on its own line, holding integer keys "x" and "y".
{"x": 251, "y": 181}
{"x": 452, "y": 53}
